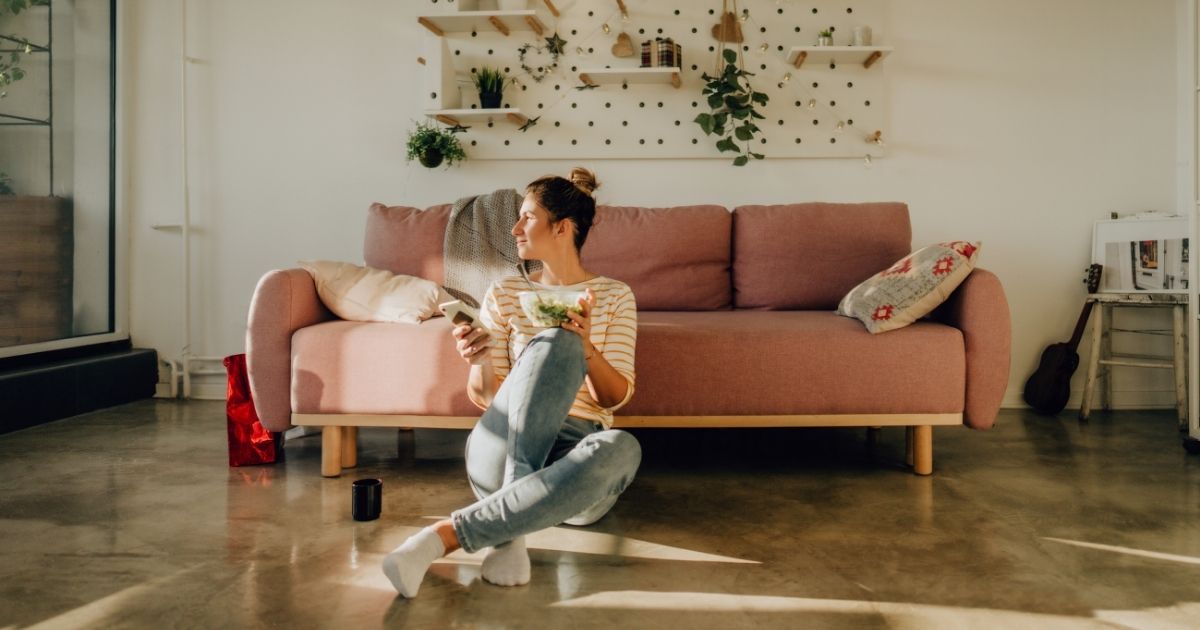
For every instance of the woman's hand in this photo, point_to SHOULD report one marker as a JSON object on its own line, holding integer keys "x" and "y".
{"x": 581, "y": 323}
{"x": 472, "y": 344}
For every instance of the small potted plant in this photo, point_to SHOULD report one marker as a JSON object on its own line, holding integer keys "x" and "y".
{"x": 490, "y": 82}
{"x": 430, "y": 144}
{"x": 825, "y": 38}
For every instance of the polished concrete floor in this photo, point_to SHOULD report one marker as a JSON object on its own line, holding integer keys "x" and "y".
{"x": 130, "y": 517}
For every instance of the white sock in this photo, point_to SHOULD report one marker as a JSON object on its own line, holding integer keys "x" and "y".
{"x": 507, "y": 564}
{"x": 406, "y": 565}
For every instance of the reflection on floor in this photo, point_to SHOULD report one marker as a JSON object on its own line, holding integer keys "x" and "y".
{"x": 130, "y": 517}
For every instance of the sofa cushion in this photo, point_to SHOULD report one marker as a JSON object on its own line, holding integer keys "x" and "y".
{"x": 368, "y": 367}
{"x": 367, "y": 294}
{"x": 807, "y": 256}
{"x": 406, "y": 240}
{"x": 911, "y": 288}
{"x": 674, "y": 259}
{"x": 799, "y": 362}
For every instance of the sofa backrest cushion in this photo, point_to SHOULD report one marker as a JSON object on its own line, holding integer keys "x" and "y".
{"x": 808, "y": 255}
{"x": 674, "y": 259}
{"x": 407, "y": 240}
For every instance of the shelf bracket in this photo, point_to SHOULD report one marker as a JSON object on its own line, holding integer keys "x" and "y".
{"x": 675, "y": 80}
{"x": 872, "y": 59}
{"x": 586, "y": 78}
{"x": 499, "y": 24}
{"x": 536, "y": 25}
{"x": 800, "y": 57}
{"x": 553, "y": 9}
{"x": 448, "y": 120}
{"x": 433, "y": 28}
{"x": 518, "y": 119}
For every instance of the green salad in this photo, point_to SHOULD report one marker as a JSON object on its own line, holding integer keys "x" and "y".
{"x": 552, "y": 311}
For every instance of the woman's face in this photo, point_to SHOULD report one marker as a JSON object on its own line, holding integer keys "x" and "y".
{"x": 536, "y": 236}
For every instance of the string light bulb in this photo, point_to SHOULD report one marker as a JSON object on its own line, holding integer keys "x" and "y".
{"x": 786, "y": 77}
{"x": 745, "y": 15}
{"x": 762, "y": 50}
{"x": 840, "y": 127}
{"x": 867, "y": 160}
{"x": 812, "y": 103}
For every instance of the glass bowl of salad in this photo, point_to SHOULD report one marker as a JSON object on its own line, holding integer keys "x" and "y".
{"x": 548, "y": 308}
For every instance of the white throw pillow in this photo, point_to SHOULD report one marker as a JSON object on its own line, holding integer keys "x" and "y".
{"x": 365, "y": 294}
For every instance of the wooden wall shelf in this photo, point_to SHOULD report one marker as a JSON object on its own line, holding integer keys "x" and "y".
{"x": 455, "y": 117}
{"x": 866, "y": 55}
{"x": 601, "y": 76}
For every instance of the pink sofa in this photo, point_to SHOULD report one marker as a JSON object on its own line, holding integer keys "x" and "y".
{"x": 736, "y": 329}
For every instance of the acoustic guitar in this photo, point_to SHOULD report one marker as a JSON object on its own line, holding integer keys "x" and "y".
{"x": 1048, "y": 389}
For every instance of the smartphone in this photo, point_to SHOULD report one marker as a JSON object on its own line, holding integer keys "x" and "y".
{"x": 459, "y": 313}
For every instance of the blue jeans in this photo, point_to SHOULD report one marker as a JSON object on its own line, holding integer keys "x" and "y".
{"x": 532, "y": 466}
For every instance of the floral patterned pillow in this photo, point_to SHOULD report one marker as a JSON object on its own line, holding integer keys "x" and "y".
{"x": 911, "y": 288}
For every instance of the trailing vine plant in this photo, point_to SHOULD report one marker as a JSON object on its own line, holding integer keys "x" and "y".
{"x": 732, "y": 100}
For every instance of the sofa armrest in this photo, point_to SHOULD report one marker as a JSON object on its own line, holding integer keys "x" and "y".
{"x": 979, "y": 309}
{"x": 285, "y": 301}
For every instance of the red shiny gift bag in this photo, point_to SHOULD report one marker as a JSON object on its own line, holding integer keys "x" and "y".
{"x": 249, "y": 442}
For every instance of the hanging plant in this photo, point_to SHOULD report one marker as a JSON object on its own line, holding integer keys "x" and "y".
{"x": 732, "y": 100}
{"x": 429, "y": 144}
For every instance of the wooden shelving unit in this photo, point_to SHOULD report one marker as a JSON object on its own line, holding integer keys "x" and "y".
{"x": 601, "y": 76}
{"x": 865, "y": 55}
{"x": 455, "y": 117}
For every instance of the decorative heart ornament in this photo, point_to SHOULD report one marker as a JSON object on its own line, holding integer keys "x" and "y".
{"x": 729, "y": 29}
{"x": 623, "y": 47}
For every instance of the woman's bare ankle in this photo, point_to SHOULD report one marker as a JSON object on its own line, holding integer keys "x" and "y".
{"x": 445, "y": 531}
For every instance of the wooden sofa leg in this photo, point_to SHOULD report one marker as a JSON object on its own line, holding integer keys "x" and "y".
{"x": 922, "y": 450}
{"x": 331, "y": 451}
{"x": 349, "y": 447}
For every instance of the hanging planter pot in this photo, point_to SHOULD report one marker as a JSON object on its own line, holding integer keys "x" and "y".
{"x": 431, "y": 158}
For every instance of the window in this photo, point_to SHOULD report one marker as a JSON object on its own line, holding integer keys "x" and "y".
{"x": 58, "y": 281}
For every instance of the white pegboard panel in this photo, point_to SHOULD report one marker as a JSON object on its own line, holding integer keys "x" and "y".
{"x": 654, "y": 120}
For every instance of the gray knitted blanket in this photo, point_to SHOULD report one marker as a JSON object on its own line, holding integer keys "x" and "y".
{"x": 479, "y": 246}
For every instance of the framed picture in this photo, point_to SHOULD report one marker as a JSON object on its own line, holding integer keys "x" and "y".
{"x": 1142, "y": 254}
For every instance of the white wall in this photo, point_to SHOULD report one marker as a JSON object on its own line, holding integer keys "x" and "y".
{"x": 1018, "y": 123}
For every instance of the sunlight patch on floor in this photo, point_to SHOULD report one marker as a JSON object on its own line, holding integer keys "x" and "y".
{"x": 897, "y": 615}
{"x": 1156, "y": 555}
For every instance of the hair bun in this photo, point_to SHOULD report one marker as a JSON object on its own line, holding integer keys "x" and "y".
{"x": 583, "y": 179}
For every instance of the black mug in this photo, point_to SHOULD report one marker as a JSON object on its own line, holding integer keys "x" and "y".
{"x": 366, "y": 499}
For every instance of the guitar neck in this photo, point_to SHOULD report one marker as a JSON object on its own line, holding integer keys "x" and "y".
{"x": 1079, "y": 325}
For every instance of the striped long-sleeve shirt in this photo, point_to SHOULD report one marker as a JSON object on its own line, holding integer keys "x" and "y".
{"x": 614, "y": 333}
